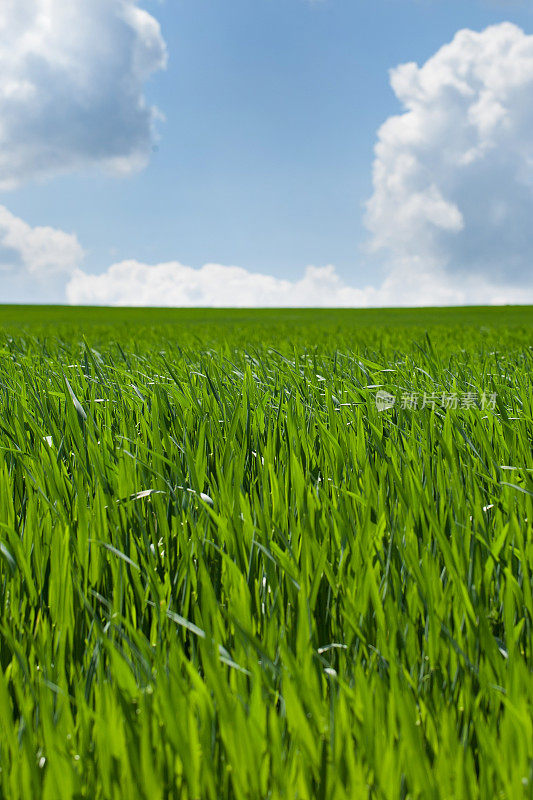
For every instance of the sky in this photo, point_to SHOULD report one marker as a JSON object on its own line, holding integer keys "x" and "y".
{"x": 266, "y": 152}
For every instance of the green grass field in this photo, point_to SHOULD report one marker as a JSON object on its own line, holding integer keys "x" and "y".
{"x": 224, "y": 573}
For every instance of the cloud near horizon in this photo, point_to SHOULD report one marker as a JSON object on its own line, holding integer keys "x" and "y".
{"x": 35, "y": 262}
{"x": 72, "y": 77}
{"x": 131, "y": 283}
{"x": 45, "y": 264}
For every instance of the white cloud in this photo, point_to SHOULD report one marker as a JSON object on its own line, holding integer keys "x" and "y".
{"x": 453, "y": 174}
{"x": 131, "y": 283}
{"x": 43, "y": 264}
{"x": 35, "y": 262}
{"x": 72, "y": 75}
{"x": 40, "y": 252}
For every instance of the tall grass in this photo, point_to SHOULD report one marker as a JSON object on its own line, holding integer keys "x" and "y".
{"x": 225, "y": 574}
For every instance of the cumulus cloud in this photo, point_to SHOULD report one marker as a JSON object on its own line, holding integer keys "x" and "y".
{"x": 130, "y": 283}
{"x": 41, "y": 252}
{"x": 72, "y": 77}
{"x": 35, "y": 262}
{"x": 453, "y": 174}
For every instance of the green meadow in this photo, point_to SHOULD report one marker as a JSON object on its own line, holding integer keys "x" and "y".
{"x": 226, "y": 573}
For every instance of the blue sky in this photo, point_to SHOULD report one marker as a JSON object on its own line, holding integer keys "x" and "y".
{"x": 265, "y": 155}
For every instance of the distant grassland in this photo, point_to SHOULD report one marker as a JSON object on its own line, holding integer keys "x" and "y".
{"x": 307, "y": 327}
{"x": 224, "y": 573}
